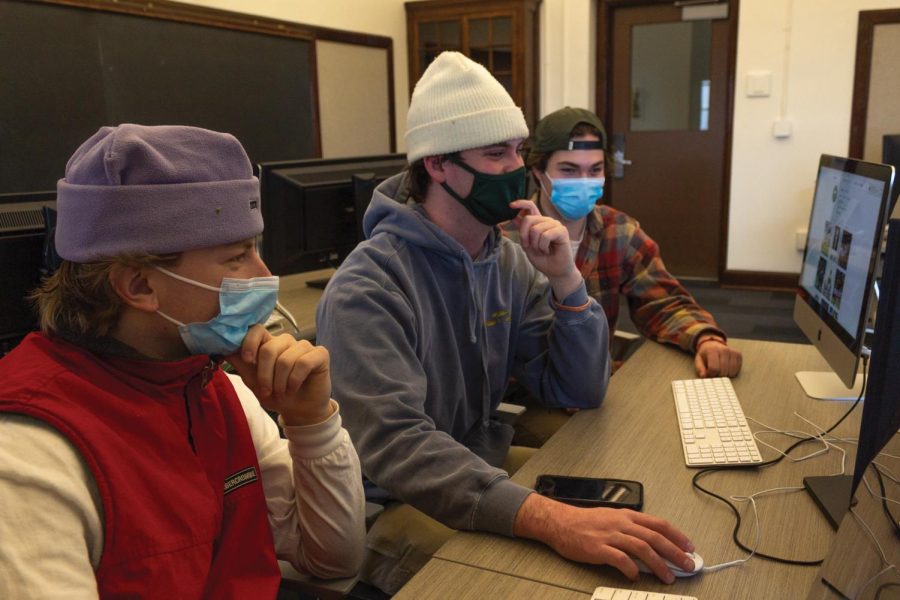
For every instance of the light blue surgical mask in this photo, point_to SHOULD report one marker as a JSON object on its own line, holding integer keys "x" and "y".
{"x": 575, "y": 197}
{"x": 242, "y": 304}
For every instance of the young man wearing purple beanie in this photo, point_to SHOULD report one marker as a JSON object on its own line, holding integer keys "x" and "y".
{"x": 130, "y": 463}
{"x": 432, "y": 314}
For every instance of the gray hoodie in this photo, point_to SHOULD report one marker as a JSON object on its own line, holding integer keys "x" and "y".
{"x": 423, "y": 341}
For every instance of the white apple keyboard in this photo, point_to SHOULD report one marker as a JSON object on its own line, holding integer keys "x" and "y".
{"x": 714, "y": 432}
{"x": 608, "y": 593}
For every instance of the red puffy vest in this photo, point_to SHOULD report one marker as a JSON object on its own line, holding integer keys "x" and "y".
{"x": 170, "y": 450}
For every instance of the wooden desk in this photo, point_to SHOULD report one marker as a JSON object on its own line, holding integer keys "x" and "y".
{"x": 301, "y": 300}
{"x": 445, "y": 580}
{"x": 854, "y": 559}
{"x": 634, "y": 435}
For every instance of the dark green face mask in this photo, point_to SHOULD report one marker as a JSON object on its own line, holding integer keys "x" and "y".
{"x": 491, "y": 194}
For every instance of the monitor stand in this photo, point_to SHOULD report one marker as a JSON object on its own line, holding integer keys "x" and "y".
{"x": 831, "y": 494}
{"x": 825, "y": 385}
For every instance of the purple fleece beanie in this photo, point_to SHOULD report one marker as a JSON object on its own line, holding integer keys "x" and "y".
{"x": 155, "y": 190}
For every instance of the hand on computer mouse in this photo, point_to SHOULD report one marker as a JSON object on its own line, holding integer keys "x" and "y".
{"x": 678, "y": 572}
{"x": 605, "y": 536}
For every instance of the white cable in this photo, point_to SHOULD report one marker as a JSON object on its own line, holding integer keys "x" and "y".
{"x": 801, "y": 435}
{"x": 821, "y": 436}
{"x": 823, "y": 450}
{"x": 752, "y": 500}
{"x": 886, "y": 472}
{"x": 875, "y": 494}
{"x": 873, "y": 578}
{"x": 883, "y": 556}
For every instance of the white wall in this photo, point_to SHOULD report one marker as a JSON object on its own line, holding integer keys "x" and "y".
{"x": 810, "y": 48}
{"x": 568, "y": 54}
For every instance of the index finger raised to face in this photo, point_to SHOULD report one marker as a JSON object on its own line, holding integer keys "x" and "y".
{"x": 527, "y": 207}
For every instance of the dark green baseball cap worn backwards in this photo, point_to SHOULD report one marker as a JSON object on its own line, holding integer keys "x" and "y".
{"x": 553, "y": 131}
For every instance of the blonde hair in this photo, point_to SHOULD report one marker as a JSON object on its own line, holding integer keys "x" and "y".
{"x": 78, "y": 297}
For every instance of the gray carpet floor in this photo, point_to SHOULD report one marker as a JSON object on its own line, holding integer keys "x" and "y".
{"x": 749, "y": 314}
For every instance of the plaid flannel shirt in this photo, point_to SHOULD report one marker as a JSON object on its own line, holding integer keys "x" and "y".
{"x": 617, "y": 258}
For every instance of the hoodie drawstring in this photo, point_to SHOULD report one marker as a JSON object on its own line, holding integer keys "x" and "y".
{"x": 472, "y": 312}
{"x": 475, "y": 320}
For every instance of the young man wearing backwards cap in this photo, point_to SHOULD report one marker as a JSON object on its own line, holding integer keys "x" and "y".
{"x": 130, "y": 464}
{"x": 432, "y": 314}
{"x": 566, "y": 160}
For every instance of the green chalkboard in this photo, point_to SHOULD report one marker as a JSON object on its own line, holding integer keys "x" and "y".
{"x": 65, "y": 71}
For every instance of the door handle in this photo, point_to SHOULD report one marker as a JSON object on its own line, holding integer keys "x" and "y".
{"x": 618, "y": 156}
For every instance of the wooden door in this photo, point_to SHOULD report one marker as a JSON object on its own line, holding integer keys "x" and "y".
{"x": 669, "y": 105}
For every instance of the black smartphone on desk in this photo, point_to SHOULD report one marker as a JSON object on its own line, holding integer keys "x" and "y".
{"x": 592, "y": 492}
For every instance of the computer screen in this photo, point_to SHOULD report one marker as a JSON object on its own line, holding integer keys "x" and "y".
{"x": 310, "y": 210}
{"x": 844, "y": 237}
{"x": 21, "y": 260}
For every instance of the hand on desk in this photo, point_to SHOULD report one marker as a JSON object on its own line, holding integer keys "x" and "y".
{"x": 605, "y": 536}
{"x": 715, "y": 359}
{"x": 288, "y": 376}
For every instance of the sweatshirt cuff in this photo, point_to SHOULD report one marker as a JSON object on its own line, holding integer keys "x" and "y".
{"x": 315, "y": 441}
{"x": 577, "y": 298}
{"x": 499, "y": 505}
{"x": 693, "y": 334}
{"x": 574, "y": 308}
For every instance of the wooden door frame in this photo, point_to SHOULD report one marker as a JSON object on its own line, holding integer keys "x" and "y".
{"x": 525, "y": 43}
{"x": 865, "y": 38}
{"x": 603, "y": 102}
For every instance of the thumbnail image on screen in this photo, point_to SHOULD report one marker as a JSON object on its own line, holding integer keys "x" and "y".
{"x": 841, "y": 239}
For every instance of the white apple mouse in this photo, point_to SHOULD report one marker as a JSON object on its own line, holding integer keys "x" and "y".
{"x": 698, "y": 566}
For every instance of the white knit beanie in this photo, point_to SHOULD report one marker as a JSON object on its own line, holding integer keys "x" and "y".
{"x": 458, "y": 105}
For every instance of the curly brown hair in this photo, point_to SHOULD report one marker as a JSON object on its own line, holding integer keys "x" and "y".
{"x": 78, "y": 297}
{"x": 418, "y": 178}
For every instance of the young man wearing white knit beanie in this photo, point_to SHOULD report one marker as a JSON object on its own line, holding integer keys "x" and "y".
{"x": 433, "y": 313}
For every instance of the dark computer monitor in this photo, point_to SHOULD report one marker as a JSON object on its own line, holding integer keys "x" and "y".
{"x": 881, "y": 411}
{"x": 311, "y": 213}
{"x": 843, "y": 245}
{"x": 890, "y": 155}
{"x": 22, "y": 238}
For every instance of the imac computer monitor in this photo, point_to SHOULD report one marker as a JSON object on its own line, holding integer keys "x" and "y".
{"x": 843, "y": 244}
{"x": 313, "y": 209}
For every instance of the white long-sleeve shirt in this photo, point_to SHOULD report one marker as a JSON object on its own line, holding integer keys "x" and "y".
{"x": 51, "y": 513}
